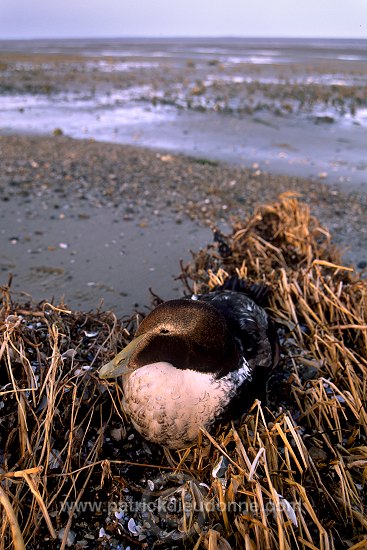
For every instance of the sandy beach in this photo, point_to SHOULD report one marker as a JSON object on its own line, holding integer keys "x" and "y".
{"x": 94, "y": 221}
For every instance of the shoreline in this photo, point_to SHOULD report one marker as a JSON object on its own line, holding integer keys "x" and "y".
{"x": 94, "y": 220}
{"x": 301, "y": 147}
{"x": 286, "y": 107}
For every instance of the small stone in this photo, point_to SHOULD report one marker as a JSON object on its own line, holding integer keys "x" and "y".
{"x": 118, "y": 433}
{"x": 166, "y": 158}
{"x": 150, "y": 484}
{"x": 70, "y": 538}
{"x": 323, "y": 175}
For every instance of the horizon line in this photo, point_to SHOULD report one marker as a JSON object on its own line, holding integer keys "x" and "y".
{"x": 182, "y": 36}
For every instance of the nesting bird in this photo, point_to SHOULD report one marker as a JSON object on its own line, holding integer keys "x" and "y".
{"x": 196, "y": 361}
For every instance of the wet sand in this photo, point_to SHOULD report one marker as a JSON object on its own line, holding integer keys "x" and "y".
{"x": 96, "y": 257}
{"x": 95, "y": 221}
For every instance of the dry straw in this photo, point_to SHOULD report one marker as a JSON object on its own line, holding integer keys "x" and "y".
{"x": 296, "y": 467}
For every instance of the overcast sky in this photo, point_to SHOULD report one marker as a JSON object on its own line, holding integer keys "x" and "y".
{"x": 104, "y": 18}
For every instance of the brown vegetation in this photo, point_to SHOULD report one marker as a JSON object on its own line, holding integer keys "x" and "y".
{"x": 298, "y": 466}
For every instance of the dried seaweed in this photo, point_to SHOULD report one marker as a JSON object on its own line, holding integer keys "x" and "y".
{"x": 293, "y": 471}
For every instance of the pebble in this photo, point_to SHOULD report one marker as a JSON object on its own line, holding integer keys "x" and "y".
{"x": 70, "y": 538}
{"x": 323, "y": 175}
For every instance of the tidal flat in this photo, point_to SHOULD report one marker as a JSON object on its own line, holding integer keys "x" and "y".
{"x": 98, "y": 201}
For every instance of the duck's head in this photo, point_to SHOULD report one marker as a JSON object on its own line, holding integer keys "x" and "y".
{"x": 188, "y": 334}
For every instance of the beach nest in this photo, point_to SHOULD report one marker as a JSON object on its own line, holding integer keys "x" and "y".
{"x": 290, "y": 474}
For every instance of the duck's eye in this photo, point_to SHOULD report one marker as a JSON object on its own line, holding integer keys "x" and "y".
{"x": 164, "y": 331}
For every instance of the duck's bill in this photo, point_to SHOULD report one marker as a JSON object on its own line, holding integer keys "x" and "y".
{"x": 119, "y": 364}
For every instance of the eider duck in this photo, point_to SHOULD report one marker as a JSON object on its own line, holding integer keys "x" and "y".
{"x": 196, "y": 361}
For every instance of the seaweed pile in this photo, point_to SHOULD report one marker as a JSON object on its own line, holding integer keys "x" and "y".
{"x": 290, "y": 474}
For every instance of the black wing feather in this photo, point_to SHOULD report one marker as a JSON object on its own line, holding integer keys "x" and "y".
{"x": 258, "y": 292}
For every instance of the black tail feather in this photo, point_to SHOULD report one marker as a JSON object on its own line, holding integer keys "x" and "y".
{"x": 258, "y": 292}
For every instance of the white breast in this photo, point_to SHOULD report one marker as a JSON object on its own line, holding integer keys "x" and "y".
{"x": 169, "y": 405}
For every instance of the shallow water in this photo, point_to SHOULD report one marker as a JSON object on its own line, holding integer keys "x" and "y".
{"x": 198, "y": 47}
{"x": 236, "y": 100}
